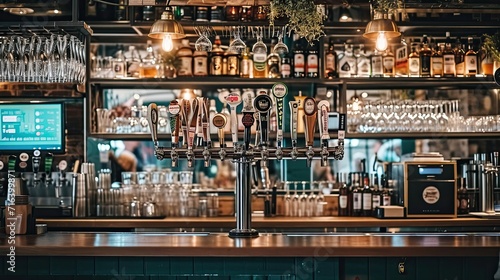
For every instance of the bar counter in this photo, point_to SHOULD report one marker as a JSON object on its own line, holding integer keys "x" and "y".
{"x": 262, "y": 222}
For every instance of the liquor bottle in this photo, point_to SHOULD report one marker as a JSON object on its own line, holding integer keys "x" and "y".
{"x": 200, "y": 63}
{"x": 121, "y": 11}
{"x": 245, "y": 64}
{"x": 185, "y": 56}
{"x": 299, "y": 70}
{"x": 216, "y": 58}
{"x": 470, "y": 59}
{"x": 148, "y": 13}
{"x": 91, "y": 11}
{"x": 414, "y": 62}
{"x": 376, "y": 64}
{"x": 376, "y": 195}
{"x": 133, "y": 62}
{"x": 437, "y": 62}
{"x": 449, "y": 69}
{"x": 343, "y": 198}
{"x": 352, "y": 58}
{"x": 312, "y": 65}
{"x": 330, "y": 69}
{"x": 148, "y": 64}
{"x": 344, "y": 65}
{"x": 388, "y": 63}
{"x": 119, "y": 64}
{"x": 425, "y": 58}
{"x": 286, "y": 66}
{"x": 259, "y": 50}
{"x": 357, "y": 197}
{"x": 386, "y": 197}
{"x": 459, "y": 58}
{"x": 216, "y": 14}
{"x": 273, "y": 63}
{"x": 363, "y": 63}
{"x": 462, "y": 197}
{"x": 367, "y": 198}
{"x": 202, "y": 13}
{"x": 232, "y": 63}
{"x": 401, "y": 59}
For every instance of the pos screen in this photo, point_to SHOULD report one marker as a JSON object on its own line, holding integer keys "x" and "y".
{"x": 32, "y": 126}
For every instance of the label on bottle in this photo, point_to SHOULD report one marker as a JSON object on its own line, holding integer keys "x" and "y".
{"x": 344, "y": 68}
{"x": 312, "y": 65}
{"x": 245, "y": 68}
{"x": 259, "y": 61}
{"x": 216, "y": 65}
{"x": 449, "y": 65}
{"x": 425, "y": 66}
{"x": 437, "y": 66}
{"x": 388, "y": 64}
{"x": 200, "y": 66}
{"x": 185, "y": 68}
{"x": 401, "y": 61}
{"x": 375, "y": 201}
{"x": 330, "y": 63}
{"x": 386, "y": 200}
{"x": 119, "y": 68}
{"x": 356, "y": 201}
{"x": 363, "y": 67}
{"x": 377, "y": 65}
{"x": 298, "y": 61}
{"x": 470, "y": 65}
{"x": 232, "y": 65}
{"x": 414, "y": 66}
{"x": 343, "y": 201}
{"x": 286, "y": 70}
{"x": 460, "y": 67}
{"x": 367, "y": 201}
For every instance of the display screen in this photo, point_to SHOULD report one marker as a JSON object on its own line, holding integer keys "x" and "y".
{"x": 32, "y": 126}
{"x": 430, "y": 170}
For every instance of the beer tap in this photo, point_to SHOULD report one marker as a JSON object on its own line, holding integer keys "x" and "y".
{"x": 35, "y": 161}
{"x": 185, "y": 113}
{"x": 220, "y": 122}
{"x": 263, "y": 104}
{"x": 63, "y": 164}
{"x": 490, "y": 173}
{"x": 323, "y": 108}
{"x": 279, "y": 91}
{"x": 153, "y": 127}
{"x": 48, "y": 169}
{"x": 193, "y": 117}
{"x": 310, "y": 116}
{"x": 294, "y": 112}
{"x": 205, "y": 131}
{"x": 174, "y": 109}
{"x": 199, "y": 125}
{"x": 233, "y": 99}
{"x": 248, "y": 119}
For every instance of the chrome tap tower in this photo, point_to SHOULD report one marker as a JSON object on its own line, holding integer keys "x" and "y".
{"x": 243, "y": 154}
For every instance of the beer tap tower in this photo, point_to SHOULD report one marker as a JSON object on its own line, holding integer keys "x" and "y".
{"x": 243, "y": 154}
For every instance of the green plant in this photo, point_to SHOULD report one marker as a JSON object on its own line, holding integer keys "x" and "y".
{"x": 491, "y": 45}
{"x": 384, "y": 6}
{"x": 304, "y": 18}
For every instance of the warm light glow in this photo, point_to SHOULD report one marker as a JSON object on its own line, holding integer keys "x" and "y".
{"x": 167, "y": 44}
{"x": 344, "y": 18}
{"x": 381, "y": 44}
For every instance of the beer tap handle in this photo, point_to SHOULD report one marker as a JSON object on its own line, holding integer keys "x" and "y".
{"x": 494, "y": 159}
{"x": 153, "y": 122}
{"x": 174, "y": 109}
{"x": 185, "y": 113}
{"x": 205, "y": 131}
{"x": 248, "y": 119}
{"x": 323, "y": 108}
{"x": 310, "y": 117}
{"x": 200, "y": 137}
{"x": 263, "y": 103}
{"x": 233, "y": 100}
{"x": 279, "y": 91}
{"x": 48, "y": 166}
{"x": 36, "y": 164}
{"x": 193, "y": 118}
{"x": 294, "y": 112}
{"x": 220, "y": 122}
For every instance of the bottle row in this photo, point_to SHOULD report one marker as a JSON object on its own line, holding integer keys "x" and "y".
{"x": 422, "y": 59}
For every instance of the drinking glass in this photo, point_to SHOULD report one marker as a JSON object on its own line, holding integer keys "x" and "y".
{"x": 280, "y": 47}
{"x": 237, "y": 45}
{"x": 203, "y": 43}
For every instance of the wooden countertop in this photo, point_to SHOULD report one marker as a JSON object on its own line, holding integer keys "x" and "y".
{"x": 262, "y": 222}
{"x": 271, "y": 245}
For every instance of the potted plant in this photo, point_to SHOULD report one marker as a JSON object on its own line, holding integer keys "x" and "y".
{"x": 304, "y": 17}
{"x": 491, "y": 46}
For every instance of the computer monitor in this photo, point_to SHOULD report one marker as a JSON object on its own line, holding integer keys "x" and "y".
{"x": 26, "y": 126}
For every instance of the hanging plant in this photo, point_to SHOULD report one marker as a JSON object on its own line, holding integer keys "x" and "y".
{"x": 304, "y": 18}
{"x": 384, "y": 6}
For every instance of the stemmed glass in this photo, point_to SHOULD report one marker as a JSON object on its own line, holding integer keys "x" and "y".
{"x": 237, "y": 45}
{"x": 203, "y": 43}
{"x": 62, "y": 44}
{"x": 280, "y": 47}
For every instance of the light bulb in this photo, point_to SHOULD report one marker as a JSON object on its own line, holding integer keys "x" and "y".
{"x": 381, "y": 44}
{"x": 167, "y": 44}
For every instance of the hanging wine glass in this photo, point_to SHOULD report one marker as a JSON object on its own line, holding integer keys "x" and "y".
{"x": 203, "y": 43}
{"x": 281, "y": 48}
{"x": 237, "y": 45}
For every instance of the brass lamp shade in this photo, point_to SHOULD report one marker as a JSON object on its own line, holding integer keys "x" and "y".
{"x": 167, "y": 25}
{"x": 385, "y": 25}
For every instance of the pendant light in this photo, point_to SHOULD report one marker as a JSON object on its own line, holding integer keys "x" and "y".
{"x": 167, "y": 29}
{"x": 381, "y": 29}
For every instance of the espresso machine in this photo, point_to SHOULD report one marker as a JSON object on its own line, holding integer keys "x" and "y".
{"x": 48, "y": 185}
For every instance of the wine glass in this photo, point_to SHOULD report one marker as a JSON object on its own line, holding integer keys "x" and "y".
{"x": 203, "y": 43}
{"x": 281, "y": 48}
{"x": 237, "y": 45}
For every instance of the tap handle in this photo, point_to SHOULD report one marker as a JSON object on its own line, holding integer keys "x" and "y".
{"x": 494, "y": 159}
{"x": 323, "y": 108}
{"x": 220, "y": 121}
{"x": 174, "y": 109}
{"x": 48, "y": 163}
{"x": 12, "y": 164}
{"x": 311, "y": 112}
{"x": 279, "y": 91}
{"x": 294, "y": 113}
{"x": 36, "y": 161}
{"x": 263, "y": 104}
{"x": 233, "y": 100}
{"x": 247, "y": 121}
{"x": 153, "y": 122}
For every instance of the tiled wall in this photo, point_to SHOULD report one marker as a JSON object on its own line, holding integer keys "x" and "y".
{"x": 248, "y": 268}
